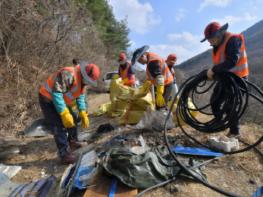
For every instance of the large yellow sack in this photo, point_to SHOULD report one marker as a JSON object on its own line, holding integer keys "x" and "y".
{"x": 126, "y": 102}
{"x": 118, "y": 90}
{"x": 119, "y": 96}
{"x": 141, "y": 104}
{"x": 190, "y": 105}
{"x": 117, "y": 108}
{"x": 131, "y": 117}
{"x": 104, "y": 108}
{"x": 136, "y": 109}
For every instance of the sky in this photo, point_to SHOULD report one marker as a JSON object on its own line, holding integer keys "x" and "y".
{"x": 177, "y": 26}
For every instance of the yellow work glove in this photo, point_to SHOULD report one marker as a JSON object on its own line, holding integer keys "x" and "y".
{"x": 125, "y": 80}
{"x": 160, "y": 102}
{"x": 84, "y": 119}
{"x": 67, "y": 119}
{"x": 116, "y": 76}
{"x": 145, "y": 87}
{"x": 142, "y": 91}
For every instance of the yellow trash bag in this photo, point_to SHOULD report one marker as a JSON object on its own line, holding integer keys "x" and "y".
{"x": 126, "y": 102}
{"x": 102, "y": 109}
{"x": 119, "y": 95}
{"x": 136, "y": 108}
{"x": 117, "y": 89}
{"x": 117, "y": 108}
{"x": 190, "y": 105}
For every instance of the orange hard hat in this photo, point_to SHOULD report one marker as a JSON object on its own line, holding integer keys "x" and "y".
{"x": 122, "y": 56}
{"x": 172, "y": 57}
{"x": 214, "y": 29}
{"x": 90, "y": 73}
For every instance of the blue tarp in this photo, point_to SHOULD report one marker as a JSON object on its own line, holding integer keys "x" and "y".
{"x": 38, "y": 188}
{"x": 258, "y": 192}
{"x": 196, "y": 151}
{"x": 86, "y": 170}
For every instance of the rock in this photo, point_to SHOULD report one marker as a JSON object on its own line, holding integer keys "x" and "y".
{"x": 172, "y": 188}
{"x": 9, "y": 152}
{"x": 252, "y": 182}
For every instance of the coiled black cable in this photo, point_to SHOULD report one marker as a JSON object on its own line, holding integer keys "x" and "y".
{"x": 227, "y": 87}
{"x": 235, "y": 99}
{"x": 235, "y": 95}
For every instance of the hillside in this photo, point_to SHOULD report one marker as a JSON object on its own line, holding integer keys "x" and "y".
{"x": 39, "y": 37}
{"x": 254, "y": 45}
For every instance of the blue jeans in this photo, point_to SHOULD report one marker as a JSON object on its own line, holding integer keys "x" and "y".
{"x": 53, "y": 120}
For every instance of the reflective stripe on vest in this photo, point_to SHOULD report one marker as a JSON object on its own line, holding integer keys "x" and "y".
{"x": 241, "y": 67}
{"x": 168, "y": 77}
{"x": 47, "y": 88}
{"x": 73, "y": 93}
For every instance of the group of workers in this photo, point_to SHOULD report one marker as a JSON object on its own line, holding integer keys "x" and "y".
{"x": 68, "y": 84}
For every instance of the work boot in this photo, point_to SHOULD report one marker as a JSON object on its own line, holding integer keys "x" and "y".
{"x": 233, "y": 135}
{"x": 69, "y": 158}
{"x": 73, "y": 144}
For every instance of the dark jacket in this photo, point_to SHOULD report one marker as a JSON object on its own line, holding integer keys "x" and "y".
{"x": 232, "y": 52}
{"x": 154, "y": 68}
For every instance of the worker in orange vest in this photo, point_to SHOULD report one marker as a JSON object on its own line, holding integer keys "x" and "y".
{"x": 125, "y": 71}
{"x": 56, "y": 97}
{"x": 229, "y": 54}
{"x": 171, "y": 61}
{"x": 157, "y": 74}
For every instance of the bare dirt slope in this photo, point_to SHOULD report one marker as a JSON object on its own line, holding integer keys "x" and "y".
{"x": 241, "y": 173}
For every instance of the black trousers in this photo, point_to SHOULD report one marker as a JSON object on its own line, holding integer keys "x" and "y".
{"x": 217, "y": 100}
{"x": 53, "y": 120}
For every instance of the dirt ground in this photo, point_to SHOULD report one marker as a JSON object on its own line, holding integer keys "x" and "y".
{"x": 240, "y": 173}
{"x": 38, "y": 156}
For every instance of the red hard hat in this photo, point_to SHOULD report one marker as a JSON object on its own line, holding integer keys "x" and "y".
{"x": 214, "y": 29}
{"x": 90, "y": 73}
{"x": 172, "y": 57}
{"x": 122, "y": 56}
{"x": 93, "y": 71}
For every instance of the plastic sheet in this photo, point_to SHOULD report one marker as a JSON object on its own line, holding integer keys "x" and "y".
{"x": 154, "y": 120}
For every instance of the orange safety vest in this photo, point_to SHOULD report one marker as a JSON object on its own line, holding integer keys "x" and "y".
{"x": 171, "y": 70}
{"x": 124, "y": 74}
{"x": 241, "y": 67}
{"x": 168, "y": 77}
{"x": 75, "y": 90}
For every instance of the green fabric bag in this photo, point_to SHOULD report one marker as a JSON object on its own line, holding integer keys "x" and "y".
{"x": 138, "y": 171}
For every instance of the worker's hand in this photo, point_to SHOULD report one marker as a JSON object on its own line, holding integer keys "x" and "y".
{"x": 116, "y": 76}
{"x": 142, "y": 91}
{"x": 67, "y": 119}
{"x": 145, "y": 87}
{"x": 210, "y": 74}
{"x": 125, "y": 81}
{"x": 160, "y": 102}
{"x": 84, "y": 119}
